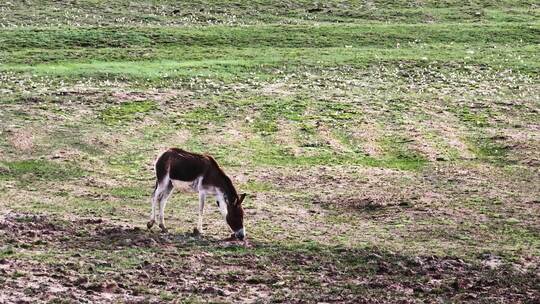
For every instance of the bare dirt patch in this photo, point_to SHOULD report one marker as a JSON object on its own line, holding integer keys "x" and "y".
{"x": 164, "y": 96}
{"x": 22, "y": 140}
{"x": 90, "y": 259}
{"x": 523, "y": 143}
{"x": 286, "y": 136}
{"x": 369, "y": 135}
{"x": 280, "y": 89}
{"x": 447, "y": 126}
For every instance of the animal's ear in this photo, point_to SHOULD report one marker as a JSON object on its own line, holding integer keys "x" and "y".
{"x": 241, "y": 198}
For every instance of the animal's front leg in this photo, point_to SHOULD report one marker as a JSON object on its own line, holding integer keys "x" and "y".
{"x": 202, "y": 197}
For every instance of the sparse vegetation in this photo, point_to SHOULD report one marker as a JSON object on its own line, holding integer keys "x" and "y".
{"x": 390, "y": 150}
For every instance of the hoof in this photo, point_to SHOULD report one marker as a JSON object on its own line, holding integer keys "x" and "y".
{"x": 150, "y": 224}
{"x": 196, "y": 232}
{"x": 163, "y": 229}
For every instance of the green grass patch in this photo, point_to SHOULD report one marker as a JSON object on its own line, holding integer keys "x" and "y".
{"x": 399, "y": 154}
{"x": 28, "y": 170}
{"x": 129, "y": 192}
{"x": 7, "y": 251}
{"x": 266, "y": 35}
{"x": 475, "y": 119}
{"x": 199, "y": 119}
{"x": 126, "y": 112}
{"x": 264, "y": 151}
{"x": 270, "y": 111}
{"x": 257, "y": 186}
{"x": 182, "y": 66}
{"x": 129, "y": 162}
{"x": 490, "y": 149}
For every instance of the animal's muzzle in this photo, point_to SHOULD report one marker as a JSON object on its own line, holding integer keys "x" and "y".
{"x": 240, "y": 234}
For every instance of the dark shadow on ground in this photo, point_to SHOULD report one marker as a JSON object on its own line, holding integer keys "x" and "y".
{"x": 136, "y": 264}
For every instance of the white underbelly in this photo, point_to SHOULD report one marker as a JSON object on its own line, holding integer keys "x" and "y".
{"x": 194, "y": 186}
{"x": 183, "y": 186}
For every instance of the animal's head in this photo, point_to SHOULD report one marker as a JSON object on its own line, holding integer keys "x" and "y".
{"x": 235, "y": 217}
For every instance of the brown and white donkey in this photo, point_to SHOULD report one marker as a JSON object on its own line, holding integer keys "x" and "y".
{"x": 204, "y": 175}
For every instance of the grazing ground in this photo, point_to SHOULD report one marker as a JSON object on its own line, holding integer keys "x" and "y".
{"x": 390, "y": 150}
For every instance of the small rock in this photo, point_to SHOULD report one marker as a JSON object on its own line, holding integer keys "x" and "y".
{"x": 80, "y": 281}
{"x": 144, "y": 275}
{"x": 404, "y": 203}
{"x": 110, "y": 286}
{"x": 159, "y": 282}
{"x": 104, "y": 264}
{"x": 217, "y": 291}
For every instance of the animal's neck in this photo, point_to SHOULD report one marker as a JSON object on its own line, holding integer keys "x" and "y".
{"x": 228, "y": 189}
{"x": 230, "y": 193}
{"x": 223, "y": 182}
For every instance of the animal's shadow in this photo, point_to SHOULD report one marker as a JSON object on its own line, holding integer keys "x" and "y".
{"x": 31, "y": 230}
{"x": 119, "y": 237}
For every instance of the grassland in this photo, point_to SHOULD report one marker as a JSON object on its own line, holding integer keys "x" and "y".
{"x": 390, "y": 150}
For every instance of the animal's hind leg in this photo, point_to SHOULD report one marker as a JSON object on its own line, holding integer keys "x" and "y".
{"x": 153, "y": 212}
{"x": 163, "y": 197}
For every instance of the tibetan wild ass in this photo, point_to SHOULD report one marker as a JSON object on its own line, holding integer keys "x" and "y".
{"x": 203, "y": 175}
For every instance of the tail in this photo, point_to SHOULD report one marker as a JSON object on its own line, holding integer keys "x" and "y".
{"x": 160, "y": 167}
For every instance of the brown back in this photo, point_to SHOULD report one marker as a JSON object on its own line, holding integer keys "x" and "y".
{"x": 187, "y": 166}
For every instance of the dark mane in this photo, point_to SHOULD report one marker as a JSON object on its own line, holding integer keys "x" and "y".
{"x": 185, "y": 153}
{"x": 230, "y": 191}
